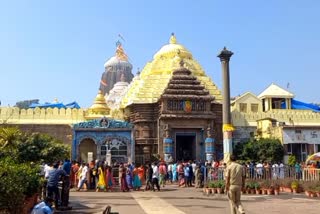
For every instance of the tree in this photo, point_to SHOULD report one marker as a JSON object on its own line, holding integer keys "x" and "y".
{"x": 267, "y": 149}
{"x": 35, "y": 147}
{"x": 42, "y": 148}
{"x": 9, "y": 136}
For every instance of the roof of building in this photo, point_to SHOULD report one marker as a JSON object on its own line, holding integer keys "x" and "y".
{"x": 55, "y": 104}
{"x": 275, "y": 91}
{"x": 245, "y": 95}
{"x": 156, "y": 74}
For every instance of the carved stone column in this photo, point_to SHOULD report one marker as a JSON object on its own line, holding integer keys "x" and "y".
{"x": 167, "y": 146}
{"x": 225, "y": 56}
{"x": 209, "y": 145}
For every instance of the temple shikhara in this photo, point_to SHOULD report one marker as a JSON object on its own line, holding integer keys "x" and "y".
{"x": 171, "y": 109}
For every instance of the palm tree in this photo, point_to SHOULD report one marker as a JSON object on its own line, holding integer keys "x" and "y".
{"x": 8, "y": 137}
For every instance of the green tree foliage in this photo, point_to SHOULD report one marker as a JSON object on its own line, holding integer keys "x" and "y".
{"x": 267, "y": 149}
{"x": 42, "y": 148}
{"x": 18, "y": 181}
{"x": 9, "y": 138}
{"x": 20, "y": 155}
{"x": 292, "y": 160}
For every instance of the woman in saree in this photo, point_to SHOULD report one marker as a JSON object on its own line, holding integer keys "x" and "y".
{"x": 110, "y": 179}
{"x": 101, "y": 181}
{"x": 136, "y": 180}
{"x": 174, "y": 173}
{"x": 122, "y": 178}
{"x": 129, "y": 177}
{"x": 141, "y": 174}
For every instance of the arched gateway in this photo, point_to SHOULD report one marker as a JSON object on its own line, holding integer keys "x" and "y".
{"x": 103, "y": 139}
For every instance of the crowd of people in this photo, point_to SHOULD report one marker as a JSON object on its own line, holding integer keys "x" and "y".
{"x": 100, "y": 176}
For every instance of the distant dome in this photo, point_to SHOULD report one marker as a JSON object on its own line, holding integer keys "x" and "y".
{"x": 115, "y": 61}
{"x": 114, "y": 68}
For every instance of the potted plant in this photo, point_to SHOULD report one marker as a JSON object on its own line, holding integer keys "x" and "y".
{"x": 248, "y": 186}
{"x": 257, "y": 187}
{"x": 310, "y": 189}
{"x": 265, "y": 186}
{"x": 209, "y": 188}
{"x": 276, "y": 187}
{"x": 295, "y": 186}
{"x": 317, "y": 191}
{"x": 287, "y": 185}
{"x": 220, "y": 187}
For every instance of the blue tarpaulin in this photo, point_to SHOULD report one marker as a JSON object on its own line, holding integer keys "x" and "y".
{"x": 55, "y": 105}
{"x": 295, "y": 104}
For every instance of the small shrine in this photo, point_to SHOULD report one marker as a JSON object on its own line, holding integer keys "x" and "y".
{"x": 103, "y": 139}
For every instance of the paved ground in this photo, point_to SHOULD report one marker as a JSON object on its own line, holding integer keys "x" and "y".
{"x": 173, "y": 200}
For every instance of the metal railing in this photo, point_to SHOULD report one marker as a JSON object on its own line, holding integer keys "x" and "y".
{"x": 262, "y": 173}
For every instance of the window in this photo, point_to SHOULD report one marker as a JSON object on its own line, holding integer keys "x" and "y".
{"x": 243, "y": 107}
{"x": 117, "y": 147}
{"x": 289, "y": 148}
{"x": 298, "y": 131}
{"x": 104, "y": 150}
{"x": 254, "y": 107}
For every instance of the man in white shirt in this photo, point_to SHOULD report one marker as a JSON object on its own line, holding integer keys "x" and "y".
{"x": 46, "y": 170}
{"x": 83, "y": 176}
{"x": 259, "y": 169}
{"x": 194, "y": 165}
{"x": 155, "y": 177}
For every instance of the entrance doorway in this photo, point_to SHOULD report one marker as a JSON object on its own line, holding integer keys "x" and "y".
{"x": 87, "y": 150}
{"x": 185, "y": 146}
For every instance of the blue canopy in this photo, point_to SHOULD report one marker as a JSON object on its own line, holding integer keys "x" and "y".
{"x": 55, "y": 105}
{"x": 295, "y": 104}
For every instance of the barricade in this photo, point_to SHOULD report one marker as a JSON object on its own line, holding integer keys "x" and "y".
{"x": 266, "y": 173}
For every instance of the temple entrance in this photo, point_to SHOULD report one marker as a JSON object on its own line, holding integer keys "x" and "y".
{"x": 185, "y": 146}
{"x": 87, "y": 150}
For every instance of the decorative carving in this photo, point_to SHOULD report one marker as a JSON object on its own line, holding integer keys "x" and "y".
{"x": 209, "y": 131}
{"x": 103, "y": 123}
{"x": 166, "y": 131}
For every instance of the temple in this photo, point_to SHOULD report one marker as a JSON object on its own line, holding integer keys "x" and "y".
{"x": 170, "y": 110}
{"x": 116, "y": 67}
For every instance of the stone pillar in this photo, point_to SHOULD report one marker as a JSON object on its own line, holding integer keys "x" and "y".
{"x": 168, "y": 149}
{"x": 225, "y": 56}
{"x": 209, "y": 146}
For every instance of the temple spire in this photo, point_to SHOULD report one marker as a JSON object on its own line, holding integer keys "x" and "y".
{"x": 173, "y": 39}
{"x": 120, "y": 54}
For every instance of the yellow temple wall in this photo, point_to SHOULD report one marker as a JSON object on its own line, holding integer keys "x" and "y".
{"x": 13, "y": 115}
{"x": 289, "y": 116}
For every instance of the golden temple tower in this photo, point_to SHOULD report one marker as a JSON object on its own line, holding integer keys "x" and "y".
{"x": 99, "y": 108}
{"x": 156, "y": 74}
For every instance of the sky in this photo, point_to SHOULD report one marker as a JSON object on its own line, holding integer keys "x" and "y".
{"x": 57, "y": 49}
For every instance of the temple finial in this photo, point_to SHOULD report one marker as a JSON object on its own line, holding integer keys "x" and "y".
{"x": 120, "y": 54}
{"x": 173, "y": 39}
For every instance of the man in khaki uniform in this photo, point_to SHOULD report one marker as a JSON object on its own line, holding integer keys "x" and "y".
{"x": 235, "y": 181}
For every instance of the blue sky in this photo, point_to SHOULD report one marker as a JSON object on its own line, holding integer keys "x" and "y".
{"x": 56, "y": 49}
